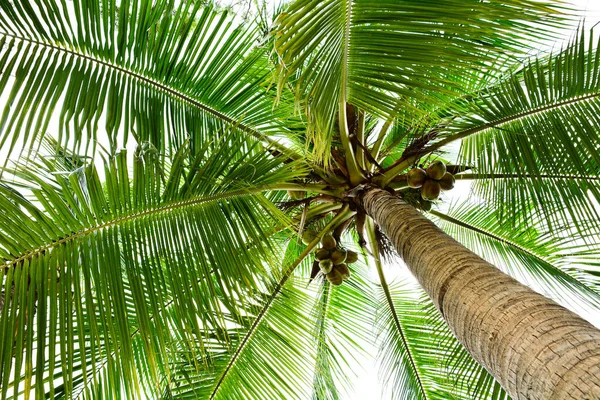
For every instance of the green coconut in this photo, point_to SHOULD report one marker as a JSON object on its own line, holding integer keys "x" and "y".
{"x": 351, "y": 257}
{"x": 334, "y": 277}
{"x": 447, "y": 181}
{"x": 416, "y": 177}
{"x": 328, "y": 242}
{"x": 308, "y": 236}
{"x": 430, "y": 190}
{"x": 343, "y": 270}
{"x": 338, "y": 256}
{"x": 425, "y": 205}
{"x": 322, "y": 254}
{"x": 326, "y": 265}
{"x": 436, "y": 170}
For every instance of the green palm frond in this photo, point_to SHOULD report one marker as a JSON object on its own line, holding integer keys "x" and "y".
{"x": 324, "y": 384}
{"x": 120, "y": 274}
{"x": 163, "y": 72}
{"x": 344, "y": 316}
{"x": 385, "y": 55}
{"x": 558, "y": 263}
{"x": 533, "y": 138}
{"x": 273, "y": 357}
{"x": 396, "y": 360}
{"x": 176, "y": 270}
{"x": 276, "y": 355}
{"x": 443, "y": 366}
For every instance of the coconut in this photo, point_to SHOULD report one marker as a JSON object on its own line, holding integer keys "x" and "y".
{"x": 430, "y": 190}
{"x": 334, "y": 277}
{"x": 322, "y": 254}
{"x": 416, "y": 177}
{"x": 308, "y": 236}
{"x": 328, "y": 242}
{"x": 351, "y": 257}
{"x": 343, "y": 270}
{"x": 447, "y": 181}
{"x": 436, "y": 170}
{"x": 425, "y": 205}
{"x": 338, "y": 256}
{"x": 326, "y": 265}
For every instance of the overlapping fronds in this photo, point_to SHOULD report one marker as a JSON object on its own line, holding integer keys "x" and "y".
{"x": 385, "y": 55}
{"x": 102, "y": 282}
{"x": 345, "y": 315}
{"x": 558, "y": 263}
{"x": 169, "y": 271}
{"x": 277, "y": 355}
{"x": 397, "y": 362}
{"x": 533, "y": 138}
{"x": 273, "y": 357}
{"x": 163, "y": 72}
{"x": 424, "y": 360}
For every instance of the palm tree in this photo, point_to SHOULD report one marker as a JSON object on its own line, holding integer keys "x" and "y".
{"x": 152, "y": 239}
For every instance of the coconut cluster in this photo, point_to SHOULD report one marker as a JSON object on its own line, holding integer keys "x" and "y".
{"x": 333, "y": 260}
{"x": 431, "y": 181}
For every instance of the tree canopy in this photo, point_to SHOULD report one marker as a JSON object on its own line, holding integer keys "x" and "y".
{"x": 150, "y": 243}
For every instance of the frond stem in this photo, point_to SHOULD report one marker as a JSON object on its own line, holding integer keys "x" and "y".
{"x": 526, "y": 176}
{"x": 360, "y": 138}
{"x": 356, "y": 175}
{"x": 321, "y": 332}
{"x": 376, "y": 149}
{"x": 163, "y": 209}
{"x": 514, "y": 245}
{"x": 505, "y": 120}
{"x": 401, "y": 164}
{"x": 370, "y": 227}
{"x": 342, "y": 216}
{"x": 269, "y": 142}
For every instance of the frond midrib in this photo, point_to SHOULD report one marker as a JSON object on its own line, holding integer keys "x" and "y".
{"x": 130, "y": 217}
{"x": 322, "y": 328}
{"x": 404, "y": 162}
{"x": 476, "y": 176}
{"x": 260, "y": 316}
{"x": 344, "y": 214}
{"x": 510, "y": 243}
{"x": 510, "y": 118}
{"x": 390, "y": 302}
{"x": 166, "y": 88}
{"x": 491, "y": 235}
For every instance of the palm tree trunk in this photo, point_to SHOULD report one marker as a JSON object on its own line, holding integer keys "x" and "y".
{"x": 535, "y": 348}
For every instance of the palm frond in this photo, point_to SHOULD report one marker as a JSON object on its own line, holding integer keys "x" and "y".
{"x": 344, "y": 316}
{"x": 272, "y": 359}
{"x": 445, "y": 368}
{"x": 324, "y": 385}
{"x": 275, "y": 357}
{"x": 109, "y": 278}
{"x": 387, "y": 55}
{"x": 162, "y": 72}
{"x": 557, "y": 263}
{"x": 533, "y": 138}
{"x": 398, "y": 364}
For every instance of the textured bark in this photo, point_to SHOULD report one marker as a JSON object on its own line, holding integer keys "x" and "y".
{"x": 535, "y": 348}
